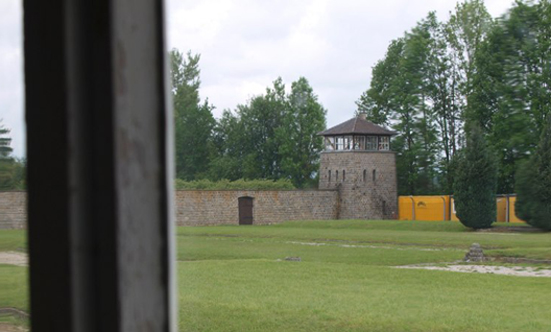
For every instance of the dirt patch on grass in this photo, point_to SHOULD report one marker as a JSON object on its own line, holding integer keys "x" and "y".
{"x": 518, "y": 271}
{"x": 11, "y": 328}
{"x": 397, "y": 247}
{"x": 518, "y": 260}
{"x": 510, "y": 229}
{"x": 14, "y": 258}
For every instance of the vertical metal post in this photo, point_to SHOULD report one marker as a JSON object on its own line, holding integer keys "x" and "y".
{"x": 507, "y": 210}
{"x": 443, "y": 207}
{"x": 99, "y": 166}
{"x": 412, "y": 207}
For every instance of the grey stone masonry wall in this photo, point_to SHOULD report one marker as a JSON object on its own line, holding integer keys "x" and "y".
{"x": 352, "y": 198}
{"x": 368, "y": 189}
{"x": 213, "y": 207}
{"x": 13, "y": 209}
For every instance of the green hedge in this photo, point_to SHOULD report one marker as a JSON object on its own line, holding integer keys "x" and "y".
{"x": 241, "y": 184}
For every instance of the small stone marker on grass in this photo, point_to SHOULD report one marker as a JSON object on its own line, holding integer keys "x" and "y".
{"x": 475, "y": 254}
{"x": 293, "y": 259}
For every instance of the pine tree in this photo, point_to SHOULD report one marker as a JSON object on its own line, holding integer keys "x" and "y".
{"x": 533, "y": 185}
{"x": 475, "y": 183}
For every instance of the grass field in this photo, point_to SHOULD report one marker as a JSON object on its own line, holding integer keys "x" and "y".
{"x": 235, "y": 278}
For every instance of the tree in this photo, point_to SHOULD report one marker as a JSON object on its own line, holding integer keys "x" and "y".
{"x": 466, "y": 31}
{"x": 273, "y": 136}
{"x": 12, "y": 171}
{"x": 533, "y": 184}
{"x": 300, "y": 144}
{"x": 472, "y": 69}
{"x": 230, "y": 148}
{"x": 5, "y": 149}
{"x": 260, "y": 119}
{"x": 511, "y": 96}
{"x": 246, "y": 142}
{"x": 475, "y": 183}
{"x": 193, "y": 120}
{"x": 402, "y": 94}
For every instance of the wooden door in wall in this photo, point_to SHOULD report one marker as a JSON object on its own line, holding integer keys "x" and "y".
{"x": 245, "y": 210}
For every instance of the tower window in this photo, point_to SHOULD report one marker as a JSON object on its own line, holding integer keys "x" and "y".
{"x": 384, "y": 143}
{"x": 374, "y": 175}
{"x": 365, "y": 174}
{"x": 343, "y": 174}
{"x": 359, "y": 142}
{"x": 337, "y": 176}
{"x": 329, "y": 175}
{"x": 371, "y": 143}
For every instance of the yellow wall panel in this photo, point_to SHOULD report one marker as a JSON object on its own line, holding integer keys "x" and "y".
{"x": 426, "y": 208}
{"x": 501, "y": 213}
{"x": 432, "y": 208}
{"x": 512, "y": 214}
{"x": 405, "y": 208}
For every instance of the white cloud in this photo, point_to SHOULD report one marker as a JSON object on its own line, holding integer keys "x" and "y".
{"x": 11, "y": 73}
{"x": 334, "y": 44}
{"x": 246, "y": 44}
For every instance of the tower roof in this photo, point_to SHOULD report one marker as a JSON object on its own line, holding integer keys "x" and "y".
{"x": 357, "y": 125}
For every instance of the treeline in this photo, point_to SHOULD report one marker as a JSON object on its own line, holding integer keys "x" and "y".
{"x": 272, "y": 136}
{"x": 12, "y": 170}
{"x": 241, "y": 184}
{"x": 441, "y": 78}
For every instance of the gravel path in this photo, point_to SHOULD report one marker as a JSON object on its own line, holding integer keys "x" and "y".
{"x": 11, "y": 328}
{"x": 14, "y": 258}
{"x": 519, "y": 271}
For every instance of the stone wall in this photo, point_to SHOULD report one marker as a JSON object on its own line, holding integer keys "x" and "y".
{"x": 352, "y": 198}
{"x": 13, "y": 209}
{"x": 366, "y": 181}
{"x": 212, "y": 207}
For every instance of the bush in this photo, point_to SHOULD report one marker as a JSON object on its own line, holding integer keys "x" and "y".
{"x": 533, "y": 185}
{"x": 241, "y": 184}
{"x": 475, "y": 183}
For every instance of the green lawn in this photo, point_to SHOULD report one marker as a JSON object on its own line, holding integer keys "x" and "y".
{"x": 13, "y": 287}
{"x": 235, "y": 278}
{"x": 12, "y": 240}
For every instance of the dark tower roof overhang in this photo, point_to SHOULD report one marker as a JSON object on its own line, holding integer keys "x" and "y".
{"x": 357, "y": 126}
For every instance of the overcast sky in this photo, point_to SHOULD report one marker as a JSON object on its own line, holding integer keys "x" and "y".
{"x": 246, "y": 44}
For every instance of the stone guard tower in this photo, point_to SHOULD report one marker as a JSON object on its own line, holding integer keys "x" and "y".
{"x": 359, "y": 163}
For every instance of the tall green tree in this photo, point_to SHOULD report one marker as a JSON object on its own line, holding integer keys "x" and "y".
{"x": 260, "y": 119}
{"x": 193, "y": 119}
{"x": 6, "y": 162}
{"x": 475, "y": 183}
{"x": 440, "y": 78}
{"x": 467, "y": 29}
{"x": 246, "y": 142}
{"x": 300, "y": 144}
{"x": 511, "y": 95}
{"x": 12, "y": 170}
{"x": 533, "y": 184}
{"x": 378, "y": 102}
{"x": 402, "y": 95}
{"x": 273, "y": 136}
{"x": 5, "y": 142}
{"x": 230, "y": 148}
